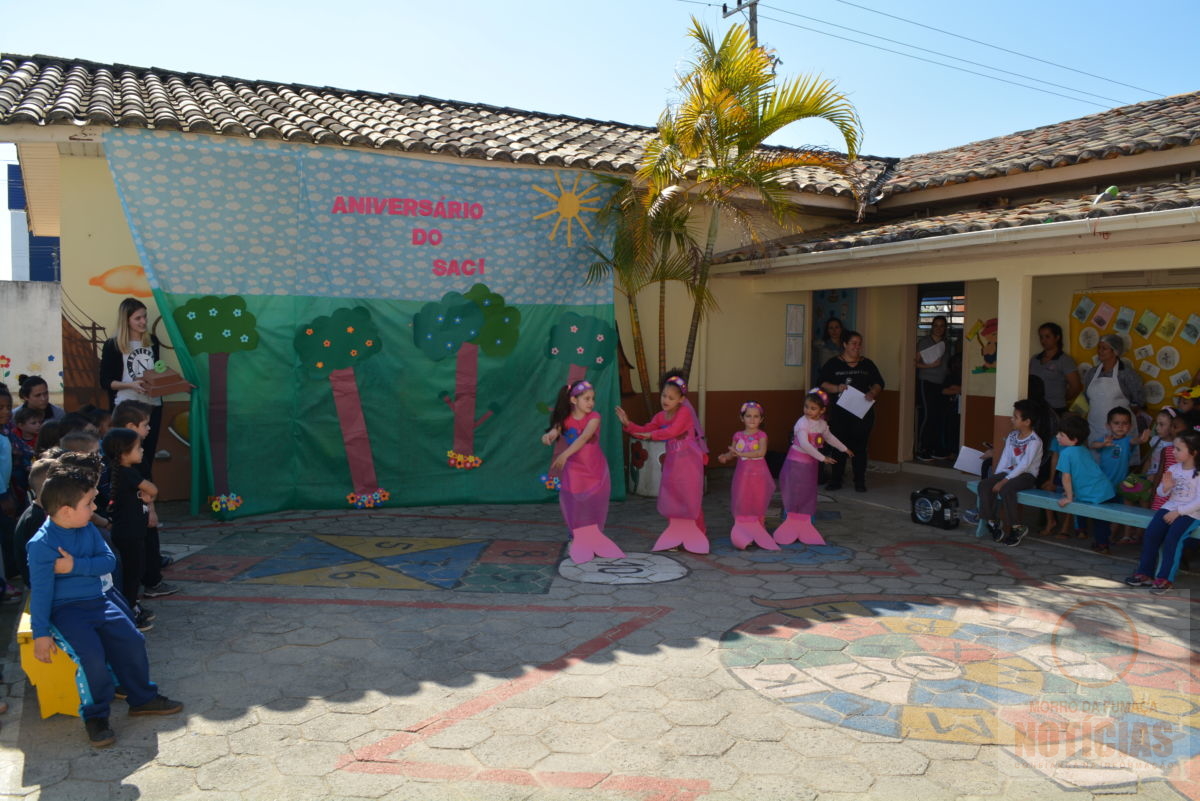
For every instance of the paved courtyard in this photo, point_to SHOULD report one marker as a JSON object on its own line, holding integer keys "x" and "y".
{"x": 450, "y": 653}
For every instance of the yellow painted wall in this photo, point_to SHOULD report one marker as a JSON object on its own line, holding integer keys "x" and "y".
{"x": 982, "y": 299}
{"x": 95, "y": 241}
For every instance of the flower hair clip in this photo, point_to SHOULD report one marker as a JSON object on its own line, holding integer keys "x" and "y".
{"x": 579, "y": 387}
{"x": 750, "y": 405}
{"x": 822, "y": 394}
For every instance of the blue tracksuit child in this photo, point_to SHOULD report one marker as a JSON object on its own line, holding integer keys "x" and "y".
{"x": 68, "y": 560}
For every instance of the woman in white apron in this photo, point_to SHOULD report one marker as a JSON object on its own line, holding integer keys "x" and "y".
{"x": 1120, "y": 387}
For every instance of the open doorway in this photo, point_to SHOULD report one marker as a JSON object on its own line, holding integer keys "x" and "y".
{"x": 937, "y": 414}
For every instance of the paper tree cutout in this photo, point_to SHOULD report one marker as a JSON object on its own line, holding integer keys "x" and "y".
{"x": 461, "y": 325}
{"x": 333, "y": 346}
{"x": 218, "y": 326}
{"x": 585, "y": 343}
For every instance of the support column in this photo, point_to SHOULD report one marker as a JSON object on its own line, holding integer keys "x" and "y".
{"x": 1014, "y": 307}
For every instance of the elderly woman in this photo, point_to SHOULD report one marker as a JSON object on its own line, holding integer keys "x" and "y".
{"x": 1058, "y": 371}
{"x": 851, "y": 369}
{"x": 1110, "y": 384}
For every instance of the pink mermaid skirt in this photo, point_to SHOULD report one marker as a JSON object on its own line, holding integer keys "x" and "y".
{"x": 798, "y": 484}
{"x": 586, "y": 487}
{"x": 682, "y": 487}
{"x": 753, "y": 487}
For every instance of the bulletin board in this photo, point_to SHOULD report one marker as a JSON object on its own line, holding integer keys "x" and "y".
{"x": 1161, "y": 330}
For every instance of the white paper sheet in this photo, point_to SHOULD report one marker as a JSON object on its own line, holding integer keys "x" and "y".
{"x": 855, "y": 402}
{"x": 933, "y": 353}
{"x": 969, "y": 461}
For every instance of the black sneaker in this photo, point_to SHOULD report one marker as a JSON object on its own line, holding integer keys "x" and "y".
{"x": 160, "y": 589}
{"x": 99, "y": 733}
{"x": 167, "y": 561}
{"x": 924, "y": 456}
{"x": 1015, "y": 536}
{"x": 1139, "y": 580}
{"x": 159, "y": 705}
{"x": 996, "y": 530}
{"x": 143, "y": 610}
{"x": 860, "y": 487}
{"x": 119, "y": 693}
{"x": 833, "y": 486}
{"x": 142, "y": 622}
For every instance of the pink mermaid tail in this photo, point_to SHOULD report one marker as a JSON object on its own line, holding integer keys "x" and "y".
{"x": 680, "y": 531}
{"x": 747, "y": 530}
{"x": 589, "y": 542}
{"x": 798, "y": 527}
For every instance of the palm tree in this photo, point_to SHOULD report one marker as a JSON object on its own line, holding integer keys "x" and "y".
{"x": 646, "y": 249}
{"x": 709, "y": 145}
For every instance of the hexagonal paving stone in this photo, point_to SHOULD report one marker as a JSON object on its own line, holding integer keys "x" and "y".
{"x": 761, "y": 757}
{"x": 748, "y": 727}
{"x": 890, "y": 759}
{"x": 511, "y": 751}
{"x": 636, "y": 725}
{"x": 833, "y": 775}
{"x": 264, "y": 739}
{"x": 689, "y": 689}
{"x": 192, "y": 751}
{"x": 581, "y": 710}
{"x": 340, "y": 727}
{"x": 574, "y": 738}
{"x": 697, "y": 741}
{"x": 309, "y": 759}
{"x": 687, "y": 713}
{"x": 237, "y": 773}
{"x": 463, "y": 735}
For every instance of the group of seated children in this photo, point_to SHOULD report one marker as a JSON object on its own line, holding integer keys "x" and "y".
{"x": 1098, "y": 472}
{"x": 68, "y": 560}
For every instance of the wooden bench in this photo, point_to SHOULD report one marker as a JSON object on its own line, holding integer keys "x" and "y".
{"x": 57, "y": 691}
{"x": 1118, "y": 513}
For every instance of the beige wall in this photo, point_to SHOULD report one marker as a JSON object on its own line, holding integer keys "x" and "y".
{"x": 30, "y": 335}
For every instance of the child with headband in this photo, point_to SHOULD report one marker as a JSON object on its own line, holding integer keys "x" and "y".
{"x": 586, "y": 485}
{"x": 682, "y": 488}
{"x": 752, "y": 482}
{"x": 798, "y": 480}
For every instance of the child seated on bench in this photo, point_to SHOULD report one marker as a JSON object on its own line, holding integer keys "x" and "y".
{"x": 1181, "y": 486}
{"x": 67, "y": 558}
{"x": 1017, "y": 470}
{"x": 1082, "y": 478}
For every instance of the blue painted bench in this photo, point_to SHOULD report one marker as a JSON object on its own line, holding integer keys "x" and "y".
{"x": 1118, "y": 513}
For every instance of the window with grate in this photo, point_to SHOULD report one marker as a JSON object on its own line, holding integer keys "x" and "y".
{"x": 947, "y": 300}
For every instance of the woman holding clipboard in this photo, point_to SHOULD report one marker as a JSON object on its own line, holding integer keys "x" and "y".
{"x": 851, "y": 370}
{"x": 933, "y": 357}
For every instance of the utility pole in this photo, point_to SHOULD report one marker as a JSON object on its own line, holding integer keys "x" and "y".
{"x": 749, "y": 6}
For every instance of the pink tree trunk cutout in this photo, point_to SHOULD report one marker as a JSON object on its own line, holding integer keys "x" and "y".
{"x": 218, "y": 420}
{"x": 462, "y": 404}
{"x": 354, "y": 430}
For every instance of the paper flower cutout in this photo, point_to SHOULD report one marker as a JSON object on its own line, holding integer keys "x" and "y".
{"x": 224, "y": 503}
{"x": 552, "y": 483}
{"x": 462, "y": 461}
{"x": 368, "y": 500}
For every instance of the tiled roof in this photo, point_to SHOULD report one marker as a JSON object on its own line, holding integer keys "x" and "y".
{"x": 44, "y": 90}
{"x": 1158, "y": 197}
{"x": 1152, "y": 125}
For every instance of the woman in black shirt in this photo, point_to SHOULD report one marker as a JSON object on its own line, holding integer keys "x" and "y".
{"x": 851, "y": 369}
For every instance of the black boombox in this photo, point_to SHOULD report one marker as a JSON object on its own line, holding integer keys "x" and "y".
{"x": 934, "y": 507}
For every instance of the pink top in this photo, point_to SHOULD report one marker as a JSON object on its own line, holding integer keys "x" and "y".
{"x": 809, "y": 435}
{"x": 663, "y": 429}
{"x": 750, "y": 446}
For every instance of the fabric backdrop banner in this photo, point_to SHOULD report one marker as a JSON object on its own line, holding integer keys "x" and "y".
{"x": 367, "y": 328}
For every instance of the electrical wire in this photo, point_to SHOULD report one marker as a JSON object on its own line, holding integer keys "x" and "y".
{"x": 930, "y": 61}
{"x": 945, "y": 55}
{"x": 1002, "y": 49}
